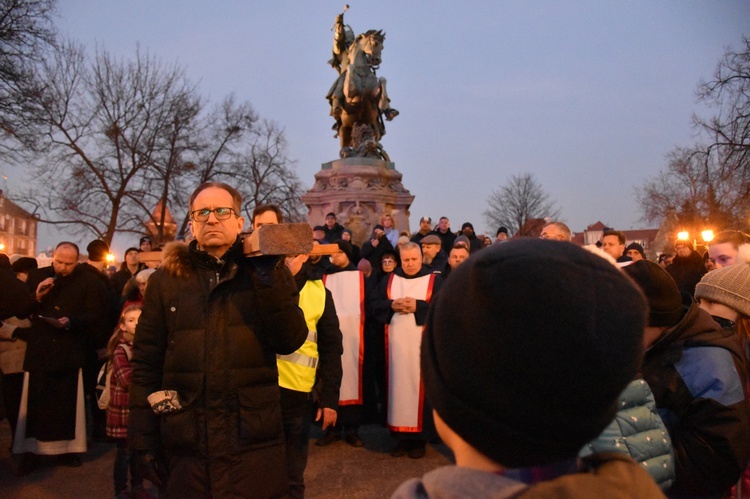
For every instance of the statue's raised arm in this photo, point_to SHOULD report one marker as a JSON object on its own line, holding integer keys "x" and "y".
{"x": 358, "y": 98}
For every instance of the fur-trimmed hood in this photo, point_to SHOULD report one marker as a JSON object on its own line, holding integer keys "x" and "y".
{"x": 176, "y": 259}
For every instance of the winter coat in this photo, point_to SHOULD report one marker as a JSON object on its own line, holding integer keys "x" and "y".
{"x": 120, "y": 375}
{"x": 687, "y": 272}
{"x": 639, "y": 432}
{"x": 696, "y": 371}
{"x": 612, "y": 476}
{"x": 81, "y": 297}
{"x": 210, "y": 330}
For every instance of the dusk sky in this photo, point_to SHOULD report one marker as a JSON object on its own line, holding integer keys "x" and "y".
{"x": 588, "y": 96}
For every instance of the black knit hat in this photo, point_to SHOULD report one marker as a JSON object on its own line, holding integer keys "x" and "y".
{"x": 527, "y": 347}
{"x": 662, "y": 293}
{"x": 637, "y": 247}
{"x": 346, "y": 247}
{"x": 97, "y": 250}
{"x": 25, "y": 264}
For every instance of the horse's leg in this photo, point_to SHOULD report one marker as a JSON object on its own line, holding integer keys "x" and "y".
{"x": 385, "y": 102}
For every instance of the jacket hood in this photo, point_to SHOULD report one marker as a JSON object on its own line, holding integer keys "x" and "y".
{"x": 696, "y": 329}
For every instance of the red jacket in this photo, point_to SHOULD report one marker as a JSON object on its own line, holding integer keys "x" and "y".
{"x": 117, "y": 411}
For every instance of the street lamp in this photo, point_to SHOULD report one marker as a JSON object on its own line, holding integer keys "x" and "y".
{"x": 707, "y": 236}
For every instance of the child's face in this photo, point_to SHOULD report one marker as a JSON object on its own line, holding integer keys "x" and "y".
{"x": 129, "y": 322}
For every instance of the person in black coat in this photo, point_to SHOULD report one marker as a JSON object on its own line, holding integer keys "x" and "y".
{"x": 205, "y": 418}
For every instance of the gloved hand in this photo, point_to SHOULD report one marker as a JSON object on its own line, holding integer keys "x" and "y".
{"x": 151, "y": 467}
{"x": 265, "y": 267}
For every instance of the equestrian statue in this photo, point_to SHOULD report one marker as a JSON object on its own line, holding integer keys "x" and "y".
{"x": 358, "y": 98}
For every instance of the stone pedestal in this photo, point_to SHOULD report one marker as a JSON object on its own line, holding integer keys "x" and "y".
{"x": 359, "y": 191}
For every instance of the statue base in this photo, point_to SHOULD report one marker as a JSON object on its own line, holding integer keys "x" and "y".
{"x": 359, "y": 191}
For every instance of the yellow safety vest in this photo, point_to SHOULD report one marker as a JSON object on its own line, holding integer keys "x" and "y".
{"x": 297, "y": 370}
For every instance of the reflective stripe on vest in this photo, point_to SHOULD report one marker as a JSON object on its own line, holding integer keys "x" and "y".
{"x": 297, "y": 370}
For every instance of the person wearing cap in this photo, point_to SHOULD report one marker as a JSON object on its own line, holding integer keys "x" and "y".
{"x": 144, "y": 244}
{"x": 697, "y": 373}
{"x": 333, "y": 230}
{"x": 686, "y": 269}
{"x": 23, "y": 266}
{"x": 425, "y": 227}
{"x": 374, "y": 248}
{"x": 467, "y": 230}
{"x": 725, "y": 294}
{"x": 517, "y": 391}
{"x": 401, "y": 303}
{"x": 725, "y": 246}
{"x": 346, "y": 235}
{"x": 128, "y": 269}
{"x": 501, "y": 235}
{"x": 635, "y": 252}
{"x": 434, "y": 258}
{"x": 347, "y": 286}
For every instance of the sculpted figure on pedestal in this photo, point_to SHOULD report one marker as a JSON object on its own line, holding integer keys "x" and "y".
{"x": 358, "y": 96}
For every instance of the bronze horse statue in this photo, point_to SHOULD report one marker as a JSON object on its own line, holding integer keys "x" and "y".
{"x": 358, "y": 97}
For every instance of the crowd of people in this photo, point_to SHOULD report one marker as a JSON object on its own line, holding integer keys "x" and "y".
{"x": 547, "y": 368}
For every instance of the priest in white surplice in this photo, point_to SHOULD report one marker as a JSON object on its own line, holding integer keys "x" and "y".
{"x": 347, "y": 286}
{"x": 401, "y": 303}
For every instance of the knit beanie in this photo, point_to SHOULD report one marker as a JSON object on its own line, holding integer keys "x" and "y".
{"x": 664, "y": 299}
{"x": 729, "y": 286}
{"x": 637, "y": 247}
{"x": 527, "y": 347}
{"x": 25, "y": 264}
{"x": 346, "y": 247}
{"x": 97, "y": 250}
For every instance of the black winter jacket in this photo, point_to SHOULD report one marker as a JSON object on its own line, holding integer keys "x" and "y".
{"x": 210, "y": 330}
{"x": 696, "y": 371}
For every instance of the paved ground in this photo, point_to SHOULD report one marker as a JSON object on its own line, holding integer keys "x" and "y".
{"x": 334, "y": 471}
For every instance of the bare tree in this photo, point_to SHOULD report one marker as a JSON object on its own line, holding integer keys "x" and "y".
{"x": 106, "y": 127}
{"x": 708, "y": 184}
{"x": 521, "y": 200}
{"x": 117, "y": 138}
{"x": 26, "y": 32}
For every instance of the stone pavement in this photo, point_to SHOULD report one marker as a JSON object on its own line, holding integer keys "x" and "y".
{"x": 338, "y": 470}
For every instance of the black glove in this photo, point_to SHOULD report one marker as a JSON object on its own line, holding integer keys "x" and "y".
{"x": 265, "y": 267}
{"x": 151, "y": 467}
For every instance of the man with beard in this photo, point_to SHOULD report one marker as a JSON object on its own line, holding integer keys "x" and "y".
{"x": 433, "y": 256}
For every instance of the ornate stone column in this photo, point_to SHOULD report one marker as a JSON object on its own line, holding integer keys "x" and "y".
{"x": 359, "y": 191}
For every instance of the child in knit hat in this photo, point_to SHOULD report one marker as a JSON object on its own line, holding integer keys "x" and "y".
{"x": 525, "y": 352}
{"x": 725, "y": 294}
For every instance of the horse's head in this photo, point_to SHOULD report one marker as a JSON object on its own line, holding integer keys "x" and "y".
{"x": 371, "y": 43}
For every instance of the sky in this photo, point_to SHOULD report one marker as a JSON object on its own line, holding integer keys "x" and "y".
{"x": 587, "y": 96}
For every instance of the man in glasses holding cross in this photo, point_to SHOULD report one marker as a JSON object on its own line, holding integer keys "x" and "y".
{"x": 205, "y": 418}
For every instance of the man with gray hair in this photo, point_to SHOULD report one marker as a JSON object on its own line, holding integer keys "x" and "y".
{"x": 556, "y": 231}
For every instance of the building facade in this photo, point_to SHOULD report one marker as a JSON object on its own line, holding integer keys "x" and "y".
{"x": 18, "y": 229}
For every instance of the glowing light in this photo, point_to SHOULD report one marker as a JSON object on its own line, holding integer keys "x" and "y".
{"x": 110, "y": 258}
{"x": 2, "y": 247}
{"x": 683, "y": 235}
{"x": 708, "y": 235}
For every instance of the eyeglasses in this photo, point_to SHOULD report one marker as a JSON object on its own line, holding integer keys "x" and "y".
{"x": 219, "y": 213}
